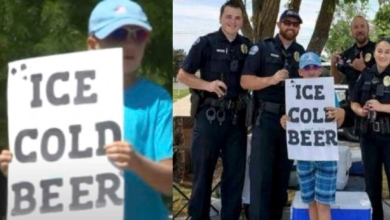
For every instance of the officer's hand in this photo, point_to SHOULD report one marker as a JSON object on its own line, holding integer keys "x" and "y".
{"x": 5, "y": 159}
{"x": 279, "y": 76}
{"x": 335, "y": 58}
{"x": 358, "y": 64}
{"x": 215, "y": 86}
{"x": 374, "y": 105}
{"x": 363, "y": 112}
{"x": 335, "y": 113}
{"x": 122, "y": 154}
{"x": 283, "y": 121}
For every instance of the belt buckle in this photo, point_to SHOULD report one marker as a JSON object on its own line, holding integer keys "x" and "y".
{"x": 376, "y": 127}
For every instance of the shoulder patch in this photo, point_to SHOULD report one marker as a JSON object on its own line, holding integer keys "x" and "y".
{"x": 254, "y": 50}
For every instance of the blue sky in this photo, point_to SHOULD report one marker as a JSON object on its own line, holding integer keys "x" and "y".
{"x": 194, "y": 18}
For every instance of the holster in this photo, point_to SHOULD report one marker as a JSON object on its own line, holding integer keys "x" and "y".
{"x": 196, "y": 97}
{"x": 250, "y": 107}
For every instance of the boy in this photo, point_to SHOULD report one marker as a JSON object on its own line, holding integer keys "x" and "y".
{"x": 317, "y": 179}
{"x": 146, "y": 152}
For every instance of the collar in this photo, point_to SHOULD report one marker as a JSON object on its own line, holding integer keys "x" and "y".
{"x": 280, "y": 44}
{"x": 369, "y": 43}
{"x": 221, "y": 37}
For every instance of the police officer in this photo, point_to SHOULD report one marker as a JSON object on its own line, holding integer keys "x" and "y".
{"x": 269, "y": 63}
{"x": 371, "y": 101}
{"x": 220, "y": 113}
{"x": 357, "y": 58}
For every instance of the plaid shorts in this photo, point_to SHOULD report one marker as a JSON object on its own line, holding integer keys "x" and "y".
{"x": 317, "y": 181}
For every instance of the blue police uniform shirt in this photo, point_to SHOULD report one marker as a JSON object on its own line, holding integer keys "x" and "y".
{"x": 148, "y": 127}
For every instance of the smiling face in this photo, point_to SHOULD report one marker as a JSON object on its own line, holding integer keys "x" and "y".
{"x": 131, "y": 39}
{"x": 310, "y": 71}
{"x": 231, "y": 20}
{"x": 289, "y": 28}
{"x": 359, "y": 29}
{"x": 382, "y": 54}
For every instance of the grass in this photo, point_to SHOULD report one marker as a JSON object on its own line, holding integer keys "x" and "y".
{"x": 179, "y": 201}
{"x": 180, "y": 93}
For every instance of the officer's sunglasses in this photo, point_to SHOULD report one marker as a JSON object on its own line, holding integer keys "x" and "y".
{"x": 289, "y": 23}
{"x": 308, "y": 67}
{"x": 138, "y": 35}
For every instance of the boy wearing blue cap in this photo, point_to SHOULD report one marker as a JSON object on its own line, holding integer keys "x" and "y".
{"x": 145, "y": 155}
{"x": 317, "y": 179}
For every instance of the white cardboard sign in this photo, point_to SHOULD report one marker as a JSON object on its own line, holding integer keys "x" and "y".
{"x": 310, "y": 136}
{"x": 62, "y": 110}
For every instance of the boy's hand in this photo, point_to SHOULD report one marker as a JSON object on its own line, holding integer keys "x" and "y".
{"x": 122, "y": 154}
{"x": 5, "y": 159}
{"x": 283, "y": 121}
{"x": 335, "y": 113}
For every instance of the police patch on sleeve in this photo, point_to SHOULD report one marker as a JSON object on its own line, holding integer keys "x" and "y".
{"x": 254, "y": 50}
{"x": 196, "y": 42}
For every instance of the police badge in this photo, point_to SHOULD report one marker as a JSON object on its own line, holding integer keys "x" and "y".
{"x": 386, "y": 81}
{"x": 367, "y": 57}
{"x": 296, "y": 56}
{"x": 244, "y": 49}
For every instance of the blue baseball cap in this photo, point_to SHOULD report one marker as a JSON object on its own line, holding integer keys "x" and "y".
{"x": 109, "y": 15}
{"x": 309, "y": 58}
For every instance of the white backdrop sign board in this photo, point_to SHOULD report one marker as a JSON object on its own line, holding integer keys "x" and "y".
{"x": 310, "y": 136}
{"x": 62, "y": 110}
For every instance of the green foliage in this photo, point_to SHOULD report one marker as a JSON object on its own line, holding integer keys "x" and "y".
{"x": 157, "y": 63}
{"x": 44, "y": 27}
{"x": 340, "y": 32}
{"x": 382, "y": 21}
{"x": 33, "y": 28}
{"x": 178, "y": 57}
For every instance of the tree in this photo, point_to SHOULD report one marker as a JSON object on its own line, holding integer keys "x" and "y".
{"x": 262, "y": 23}
{"x": 340, "y": 33}
{"x": 382, "y": 21}
{"x": 322, "y": 27}
{"x": 264, "y": 13}
{"x": 178, "y": 58}
{"x": 46, "y": 27}
{"x": 294, "y": 4}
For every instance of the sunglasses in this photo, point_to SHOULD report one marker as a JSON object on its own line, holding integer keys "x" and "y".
{"x": 289, "y": 23}
{"x": 138, "y": 35}
{"x": 308, "y": 67}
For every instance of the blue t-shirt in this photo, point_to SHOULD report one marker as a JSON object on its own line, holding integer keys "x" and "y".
{"x": 148, "y": 127}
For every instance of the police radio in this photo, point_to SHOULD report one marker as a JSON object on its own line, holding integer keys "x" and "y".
{"x": 286, "y": 66}
{"x": 378, "y": 91}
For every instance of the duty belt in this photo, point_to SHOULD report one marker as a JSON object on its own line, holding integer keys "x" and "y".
{"x": 276, "y": 108}
{"x": 381, "y": 125}
{"x": 225, "y": 104}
